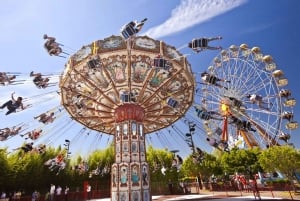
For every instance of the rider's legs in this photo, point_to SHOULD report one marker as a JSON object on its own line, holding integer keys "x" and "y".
{"x": 214, "y": 38}
{"x": 214, "y": 48}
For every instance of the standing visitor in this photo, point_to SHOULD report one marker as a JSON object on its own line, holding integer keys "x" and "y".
{"x": 3, "y": 195}
{"x": 52, "y": 192}
{"x": 66, "y": 193}
{"x": 170, "y": 184}
{"x": 88, "y": 190}
{"x": 58, "y": 193}
{"x": 35, "y": 196}
{"x": 47, "y": 196}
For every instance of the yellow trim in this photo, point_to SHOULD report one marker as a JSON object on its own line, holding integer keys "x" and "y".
{"x": 95, "y": 48}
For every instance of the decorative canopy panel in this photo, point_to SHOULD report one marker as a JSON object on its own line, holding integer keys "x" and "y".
{"x": 109, "y": 73}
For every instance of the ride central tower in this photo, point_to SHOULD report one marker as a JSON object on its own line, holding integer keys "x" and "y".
{"x": 127, "y": 88}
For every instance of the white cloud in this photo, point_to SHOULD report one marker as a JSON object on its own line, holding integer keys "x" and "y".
{"x": 191, "y": 12}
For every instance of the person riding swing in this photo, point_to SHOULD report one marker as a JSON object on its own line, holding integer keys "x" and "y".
{"x": 132, "y": 28}
{"x": 52, "y": 47}
{"x": 13, "y": 104}
{"x": 200, "y": 44}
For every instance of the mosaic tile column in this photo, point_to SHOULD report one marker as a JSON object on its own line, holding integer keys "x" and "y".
{"x": 130, "y": 179}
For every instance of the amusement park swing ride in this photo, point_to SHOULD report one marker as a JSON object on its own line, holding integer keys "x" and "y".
{"x": 129, "y": 87}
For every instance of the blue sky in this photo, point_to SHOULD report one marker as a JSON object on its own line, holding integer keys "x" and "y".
{"x": 271, "y": 25}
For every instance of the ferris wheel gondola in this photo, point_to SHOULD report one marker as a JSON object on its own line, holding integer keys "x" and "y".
{"x": 253, "y": 105}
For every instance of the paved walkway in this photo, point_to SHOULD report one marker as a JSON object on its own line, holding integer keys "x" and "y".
{"x": 224, "y": 196}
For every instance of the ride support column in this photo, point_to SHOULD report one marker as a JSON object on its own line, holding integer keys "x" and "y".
{"x": 130, "y": 180}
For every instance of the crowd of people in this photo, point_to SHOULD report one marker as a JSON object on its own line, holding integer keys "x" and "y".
{"x": 7, "y": 78}
{"x": 55, "y": 193}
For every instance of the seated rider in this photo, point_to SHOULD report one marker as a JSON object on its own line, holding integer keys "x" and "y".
{"x": 4, "y": 78}
{"x": 43, "y": 84}
{"x": 132, "y": 28}
{"x": 235, "y": 102}
{"x": 4, "y": 133}
{"x": 285, "y": 137}
{"x": 38, "y": 80}
{"x": 206, "y": 115}
{"x": 45, "y": 118}
{"x": 59, "y": 158}
{"x": 212, "y": 142}
{"x": 288, "y": 115}
{"x": 41, "y": 148}
{"x": 27, "y": 147}
{"x": 198, "y": 156}
{"x": 285, "y": 93}
{"x": 35, "y": 134}
{"x": 254, "y": 98}
{"x": 13, "y": 104}
{"x": 177, "y": 161}
{"x": 258, "y": 100}
{"x": 15, "y": 130}
{"x": 242, "y": 124}
{"x": 199, "y": 44}
{"x": 247, "y": 126}
{"x": 10, "y": 131}
{"x": 139, "y": 25}
{"x": 212, "y": 79}
{"x": 160, "y": 62}
{"x": 52, "y": 46}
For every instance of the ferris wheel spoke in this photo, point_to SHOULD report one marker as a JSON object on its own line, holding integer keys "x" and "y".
{"x": 264, "y": 133}
{"x": 261, "y": 86}
{"x": 260, "y": 111}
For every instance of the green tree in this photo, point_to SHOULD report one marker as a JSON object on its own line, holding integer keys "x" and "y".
{"x": 158, "y": 159}
{"x": 243, "y": 161}
{"x": 284, "y": 159}
{"x": 161, "y": 170}
{"x": 210, "y": 165}
{"x": 5, "y": 170}
{"x": 100, "y": 162}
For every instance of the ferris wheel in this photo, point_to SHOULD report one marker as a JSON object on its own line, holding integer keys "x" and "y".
{"x": 244, "y": 101}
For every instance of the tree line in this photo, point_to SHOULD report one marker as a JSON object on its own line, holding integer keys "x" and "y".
{"x": 27, "y": 172}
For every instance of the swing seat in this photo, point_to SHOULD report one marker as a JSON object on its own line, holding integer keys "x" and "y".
{"x": 212, "y": 79}
{"x": 128, "y": 31}
{"x": 94, "y": 63}
{"x": 205, "y": 116}
{"x": 159, "y": 62}
{"x": 125, "y": 97}
{"x": 172, "y": 102}
{"x": 199, "y": 43}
